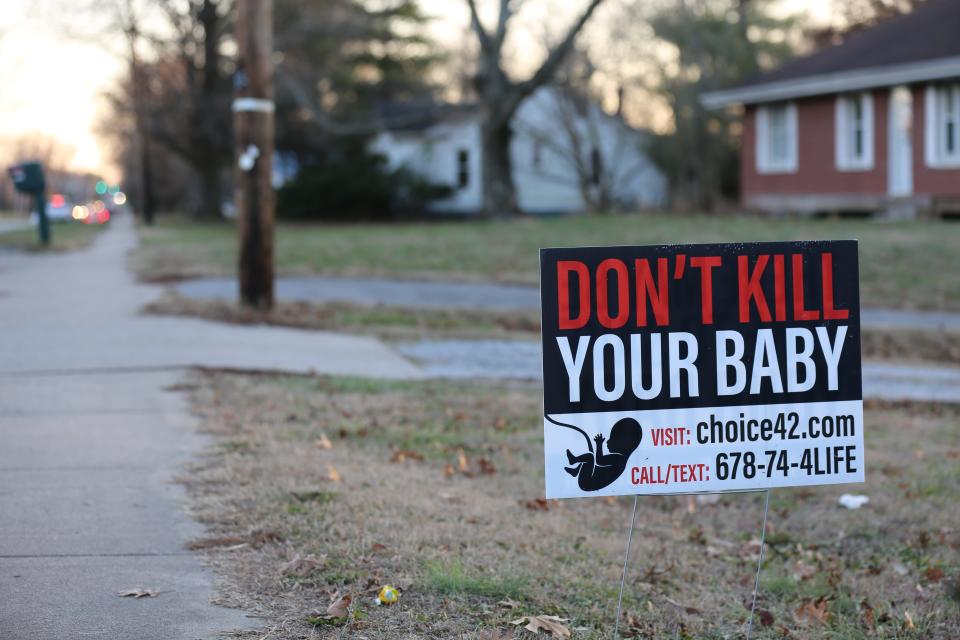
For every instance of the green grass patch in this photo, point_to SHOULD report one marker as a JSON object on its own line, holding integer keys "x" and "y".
{"x": 452, "y": 578}
{"x": 903, "y": 264}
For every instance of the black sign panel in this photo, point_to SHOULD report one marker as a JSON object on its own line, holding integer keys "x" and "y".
{"x": 784, "y": 317}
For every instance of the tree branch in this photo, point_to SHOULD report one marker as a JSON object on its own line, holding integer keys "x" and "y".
{"x": 482, "y": 35}
{"x": 556, "y": 57}
{"x": 506, "y": 11}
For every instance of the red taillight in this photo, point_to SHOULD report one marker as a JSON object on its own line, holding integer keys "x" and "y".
{"x": 103, "y": 216}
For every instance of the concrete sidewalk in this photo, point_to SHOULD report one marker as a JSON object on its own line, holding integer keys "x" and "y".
{"x": 92, "y": 440}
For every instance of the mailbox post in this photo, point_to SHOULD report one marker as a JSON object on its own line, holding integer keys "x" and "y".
{"x": 28, "y": 178}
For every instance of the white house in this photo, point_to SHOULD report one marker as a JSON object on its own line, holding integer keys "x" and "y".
{"x": 568, "y": 155}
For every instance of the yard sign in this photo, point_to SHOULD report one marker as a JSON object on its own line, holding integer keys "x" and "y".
{"x": 708, "y": 367}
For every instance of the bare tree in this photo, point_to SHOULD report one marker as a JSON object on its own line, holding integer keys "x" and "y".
{"x": 499, "y": 98}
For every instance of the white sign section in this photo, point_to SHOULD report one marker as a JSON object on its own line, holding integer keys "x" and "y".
{"x": 701, "y": 368}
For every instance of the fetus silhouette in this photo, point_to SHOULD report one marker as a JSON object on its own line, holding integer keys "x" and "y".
{"x": 595, "y": 469}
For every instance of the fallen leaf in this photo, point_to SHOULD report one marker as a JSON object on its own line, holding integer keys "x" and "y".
{"x": 537, "y": 504}
{"x": 486, "y": 467}
{"x": 766, "y": 618}
{"x": 814, "y": 611}
{"x": 462, "y": 463}
{"x": 866, "y": 614}
{"x": 378, "y": 548}
{"x": 402, "y": 455}
{"x": 934, "y": 574}
{"x": 138, "y": 593}
{"x": 548, "y": 624}
{"x": 509, "y": 603}
{"x": 803, "y": 571}
{"x": 686, "y": 608}
{"x": 333, "y": 474}
{"x": 339, "y": 608}
{"x": 302, "y": 566}
{"x": 323, "y": 442}
{"x": 448, "y": 471}
{"x": 908, "y": 620}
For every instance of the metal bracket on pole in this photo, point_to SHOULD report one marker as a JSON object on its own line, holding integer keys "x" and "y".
{"x": 260, "y": 105}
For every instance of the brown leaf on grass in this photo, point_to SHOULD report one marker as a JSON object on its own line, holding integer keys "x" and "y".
{"x": 802, "y": 571}
{"x": 255, "y": 539}
{"x": 462, "y": 463}
{"x": 302, "y": 566}
{"x": 376, "y": 547}
{"x": 448, "y": 471}
{"x": 812, "y": 612}
{"x": 323, "y": 442}
{"x": 339, "y": 608}
{"x": 333, "y": 474}
{"x": 551, "y": 625}
{"x": 486, "y": 467}
{"x": 685, "y": 607}
{"x": 766, "y": 618}
{"x": 214, "y": 542}
{"x": 138, "y": 593}
{"x": 537, "y": 504}
{"x": 933, "y": 574}
{"x": 866, "y": 615}
{"x": 402, "y": 455}
{"x": 908, "y": 621}
{"x": 509, "y": 603}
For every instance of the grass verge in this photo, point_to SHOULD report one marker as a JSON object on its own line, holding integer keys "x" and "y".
{"x": 903, "y": 264}
{"x": 434, "y": 487}
{"x": 404, "y": 323}
{"x": 63, "y": 237}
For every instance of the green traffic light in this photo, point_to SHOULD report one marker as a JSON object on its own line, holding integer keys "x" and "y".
{"x": 101, "y": 187}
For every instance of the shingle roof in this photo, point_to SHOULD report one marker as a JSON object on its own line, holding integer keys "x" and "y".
{"x": 929, "y": 32}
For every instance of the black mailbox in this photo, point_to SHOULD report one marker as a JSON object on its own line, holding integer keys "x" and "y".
{"x": 28, "y": 177}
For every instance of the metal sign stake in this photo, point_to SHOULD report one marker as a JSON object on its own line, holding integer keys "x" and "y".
{"x": 756, "y": 582}
{"x": 623, "y": 575}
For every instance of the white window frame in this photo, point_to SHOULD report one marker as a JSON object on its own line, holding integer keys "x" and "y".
{"x": 936, "y": 118}
{"x": 845, "y": 128}
{"x": 766, "y": 163}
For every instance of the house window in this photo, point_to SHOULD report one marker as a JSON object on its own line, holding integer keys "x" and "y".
{"x": 463, "y": 168}
{"x": 853, "y": 132}
{"x": 943, "y": 126}
{"x": 777, "y": 138}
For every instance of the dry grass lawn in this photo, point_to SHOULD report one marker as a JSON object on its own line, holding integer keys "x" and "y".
{"x": 435, "y": 488}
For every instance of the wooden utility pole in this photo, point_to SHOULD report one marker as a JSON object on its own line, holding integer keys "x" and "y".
{"x": 253, "y": 135}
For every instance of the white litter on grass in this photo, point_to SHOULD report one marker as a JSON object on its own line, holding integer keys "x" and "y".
{"x": 851, "y": 501}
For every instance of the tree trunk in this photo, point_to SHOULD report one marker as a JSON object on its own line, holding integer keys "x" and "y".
{"x": 210, "y": 204}
{"x": 499, "y": 193}
{"x": 147, "y": 201}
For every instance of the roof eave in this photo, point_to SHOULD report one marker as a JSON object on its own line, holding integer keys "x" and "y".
{"x": 839, "y": 82}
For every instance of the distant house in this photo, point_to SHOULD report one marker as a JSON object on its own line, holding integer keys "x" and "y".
{"x": 869, "y": 125}
{"x": 567, "y": 154}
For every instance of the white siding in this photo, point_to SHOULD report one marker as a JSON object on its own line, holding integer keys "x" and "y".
{"x": 550, "y": 186}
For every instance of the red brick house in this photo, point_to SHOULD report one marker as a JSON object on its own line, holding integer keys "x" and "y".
{"x": 869, "y": 125}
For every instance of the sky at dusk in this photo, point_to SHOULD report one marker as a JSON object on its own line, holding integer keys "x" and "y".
{"x": 53, "y": 82}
